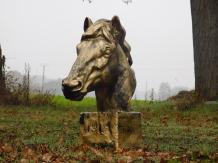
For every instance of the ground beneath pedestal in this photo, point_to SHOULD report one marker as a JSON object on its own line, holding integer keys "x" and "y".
{"x": 51, "y": 134}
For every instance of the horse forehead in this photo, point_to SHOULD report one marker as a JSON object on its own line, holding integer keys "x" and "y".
{"x": 97, "y": 25}
{"x": 92, "y": 46}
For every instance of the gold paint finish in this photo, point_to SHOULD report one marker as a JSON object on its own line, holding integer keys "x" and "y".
{"x": 103, "y": 65}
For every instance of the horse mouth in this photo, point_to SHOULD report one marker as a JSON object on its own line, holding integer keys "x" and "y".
{"x": 73, "y": 95}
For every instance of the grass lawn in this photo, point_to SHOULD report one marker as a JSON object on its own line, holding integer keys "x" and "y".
{"x": 52, "y": 133}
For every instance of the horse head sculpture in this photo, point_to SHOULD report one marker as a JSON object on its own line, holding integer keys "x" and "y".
{"x": 102, "y": 65}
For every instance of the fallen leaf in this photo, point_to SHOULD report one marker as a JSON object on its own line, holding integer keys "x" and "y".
{"x": 61, "y": 140}
{"x": 7, "y": 148}
{"x": 109, "y": 158}
{"x": 23, "y": 160}
{"x": 28, "y": 153}
{"x": 47, "y": 157}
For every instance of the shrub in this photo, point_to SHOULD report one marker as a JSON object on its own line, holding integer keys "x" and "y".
{"x": 185, "y": 100}
{"x": 19, "y": 92}
{"x": 40, "y": 98}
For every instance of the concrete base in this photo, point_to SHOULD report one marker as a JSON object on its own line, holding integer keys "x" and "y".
{"x": 120, "y": 129}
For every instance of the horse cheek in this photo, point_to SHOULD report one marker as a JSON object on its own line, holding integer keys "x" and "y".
{"x": 101, "y": 62}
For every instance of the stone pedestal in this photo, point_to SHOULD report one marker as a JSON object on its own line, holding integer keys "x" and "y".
{"x": 120, "y": 129}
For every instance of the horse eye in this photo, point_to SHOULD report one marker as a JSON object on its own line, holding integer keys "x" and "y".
{"x": 107, "y": 53}
{"x": 107, "y": 50}
{"x": 106, "y": 56}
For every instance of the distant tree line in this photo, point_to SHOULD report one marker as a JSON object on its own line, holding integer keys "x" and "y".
{"x": 15, "y": 92}
{"x": 164, "y": 92}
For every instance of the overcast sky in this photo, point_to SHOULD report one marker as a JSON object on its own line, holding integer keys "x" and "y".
{"x": 46, "y": 32}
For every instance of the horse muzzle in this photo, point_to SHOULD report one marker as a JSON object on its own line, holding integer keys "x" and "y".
{"x": 72, "y": 89}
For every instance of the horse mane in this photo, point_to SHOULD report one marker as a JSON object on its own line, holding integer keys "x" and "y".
{"x": 103, "y": 27}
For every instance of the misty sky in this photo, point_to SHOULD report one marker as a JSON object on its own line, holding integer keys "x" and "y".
{"x": 46, "y": 32}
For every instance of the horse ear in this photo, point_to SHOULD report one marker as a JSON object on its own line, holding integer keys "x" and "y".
{"x": 119, "y": 31}
{"x": 116, "y": 22}
{"x": 87, "y": 23}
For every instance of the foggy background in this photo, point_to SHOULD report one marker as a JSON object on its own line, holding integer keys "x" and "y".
{"x": 46, "y": 32}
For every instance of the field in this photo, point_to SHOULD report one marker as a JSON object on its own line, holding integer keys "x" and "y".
{"x": 51, "y": 133}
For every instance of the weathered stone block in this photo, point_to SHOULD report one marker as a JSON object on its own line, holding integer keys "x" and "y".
{"x": 120, "y": 129}
{"x": 129, "y": 129}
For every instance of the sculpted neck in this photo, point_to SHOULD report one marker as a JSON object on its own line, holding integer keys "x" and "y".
{"x": 106, "y": 97}
{"x": 105, "y": 100}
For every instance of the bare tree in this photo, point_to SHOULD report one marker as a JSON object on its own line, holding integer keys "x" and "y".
{"x": 152, "y": 95}
{"x": 164, "y": 91}
{"x": 135, "y": 97}
{"x": 2, "y": 72}
{"x": 146, "y": 91}
{"x": 43, "y": 78}
{"x": 26, "y": 84}
{"x": 127, "y": 1}
{"x": 88, "y": 1}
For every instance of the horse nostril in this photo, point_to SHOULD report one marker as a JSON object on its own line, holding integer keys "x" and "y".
{"x": 76, "y": 85}
{"x": 73, "y": 85}
{"x": 65, "y": 83}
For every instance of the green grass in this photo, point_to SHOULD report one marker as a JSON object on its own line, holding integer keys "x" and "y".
{"x": 87, "y": 104}
{"x": 164, "y": 128}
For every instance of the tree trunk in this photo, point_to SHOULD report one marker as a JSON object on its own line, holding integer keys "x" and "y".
{"x": 2, "y": 73}
{"x": 205, "y": 41}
